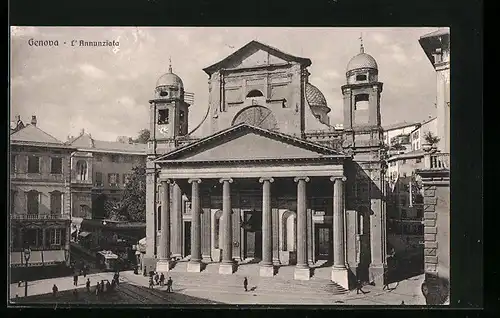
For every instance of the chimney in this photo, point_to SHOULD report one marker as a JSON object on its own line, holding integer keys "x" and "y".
{"x": 33, "y": 120}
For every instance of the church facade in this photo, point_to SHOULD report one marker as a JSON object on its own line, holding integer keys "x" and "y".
{"x": 270, "y": 179}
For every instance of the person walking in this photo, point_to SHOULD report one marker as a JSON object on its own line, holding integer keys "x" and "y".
{"x": 85, "y": 270}
{"x": 87, "y": 284}
{"x": 97, "y": 289}
{"x": 157, "y": 278}
{"x": 359, "y": 287}
{"x": 162, "y": 279}
{"x": 245, "y": 284}
{"x": 54, "y": 290}
{"x": 151, "y": 282}
{"x": 75, "y": 279}
{"x": 169, "y": 285}
{"x": 108, "y": 286}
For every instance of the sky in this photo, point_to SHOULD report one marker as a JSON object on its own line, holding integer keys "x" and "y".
{"x": 105, "y": 90}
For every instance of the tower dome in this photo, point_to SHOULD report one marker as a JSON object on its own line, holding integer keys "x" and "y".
{"x": 362, "y": 60}
{"x": 170, "y": 79}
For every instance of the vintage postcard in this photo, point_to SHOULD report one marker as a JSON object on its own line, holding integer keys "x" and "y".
{"x": 228, "y": 165}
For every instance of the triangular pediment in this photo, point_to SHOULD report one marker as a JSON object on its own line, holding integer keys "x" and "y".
{"x": 244, "y": 142}
{"x": 255, "y": 54}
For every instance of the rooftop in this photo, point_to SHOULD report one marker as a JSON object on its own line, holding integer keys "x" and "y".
{"x": 85, "y": 141}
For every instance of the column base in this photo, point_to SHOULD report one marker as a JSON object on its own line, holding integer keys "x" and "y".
{"x": 194, "y": 267}
{"x": 302, "y": 273}
{"x": 164, "y": 265}
{"x": 340, "y": 276}
{"x": 227, "y": 269}
{"x": 177, "y": 256}
{"x": 207, "y": 259}
{"x": 267, "y": 270}
{"x": 377, "y": 274}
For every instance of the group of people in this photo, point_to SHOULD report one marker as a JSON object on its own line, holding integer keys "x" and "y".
{"x": 159, "y": 280}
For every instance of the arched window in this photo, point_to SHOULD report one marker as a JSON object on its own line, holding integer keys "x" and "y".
{"x": 361, "y": 101}
{"x": 81, "y": 170}
{"x": 254, "y": 93}
{"x": 33, "y": 199}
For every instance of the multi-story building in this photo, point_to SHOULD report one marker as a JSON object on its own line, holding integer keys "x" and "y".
{"x": 418, "y": 134}
{"x": 100, "y": 171}
{"x": 397, "y": 137}
{"x": 270, "y": 179}
{"x": 40, "y": 179}
{"x": 435, "y": 177}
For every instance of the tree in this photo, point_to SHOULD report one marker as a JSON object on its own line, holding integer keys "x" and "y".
{"x": 143, "y": 136}
{"x": 431, "y": 139}
{"x": 132, "y": 205}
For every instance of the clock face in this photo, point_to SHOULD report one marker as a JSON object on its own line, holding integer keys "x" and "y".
{"x": 164, "y": 129}
{"x": 258, "y": 116}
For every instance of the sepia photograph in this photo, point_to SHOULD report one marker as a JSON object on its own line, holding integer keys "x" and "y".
{"x": 229, "y": 166}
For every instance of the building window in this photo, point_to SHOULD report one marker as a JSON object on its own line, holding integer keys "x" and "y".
{"x": 418, "y": 160}
{"x": 420, "y": 212}
{"x": 33, "y": 202}
{"x": 163, "y": 115}
{"x": 128, "y": 159}
{"x": 403, "y": 213}
{"x": 361, "y": 77}
{"x": 361, "y": 101}
{"x": 361, "y": 230}
{"x": 33, "y": 164}
{"x": 115, "y": 158}
{"x": 113, "y": 179}
{"x": 126, "y": 178}
{"x": 85, "y": 211}
{"x": 182, "y": 116}
{"x": 55, "y": 236}
{"x": 81, "y": 170}
{"x": 55, "y": 203}
{"x": 12, "y": 201}
{"x": 403, "y": 161}
{"x": 254, "y": 93}
{"x": 98, "y": 179}
{"x": 98, "y": 157}
{"x": 56, "y": 165}
{"x": 13, "y": 163}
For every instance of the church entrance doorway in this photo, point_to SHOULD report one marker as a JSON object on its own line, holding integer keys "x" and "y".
{"x": 323, "y": 238}
{"x": 252, "y": 226}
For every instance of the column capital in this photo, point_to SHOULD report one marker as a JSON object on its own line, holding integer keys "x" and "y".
{"x": 270, "y": 179}
{"x": 194, "y": 180}
{"x": 342, "y": 178}
{"x": 306, "y": 179}
{"x": 230, "y": 180}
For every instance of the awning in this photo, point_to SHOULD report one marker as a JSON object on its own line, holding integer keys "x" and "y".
{"x": 37, "y": 258}
{"x": 84, "y": 234}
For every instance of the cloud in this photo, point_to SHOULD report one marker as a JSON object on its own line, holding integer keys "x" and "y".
{"x": 378, "y": 38}
{"x": 92, "y": 71}
{"x": 398, "y": 54}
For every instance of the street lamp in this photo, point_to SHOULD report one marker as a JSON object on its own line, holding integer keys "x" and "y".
{"x": 27, "y": 254}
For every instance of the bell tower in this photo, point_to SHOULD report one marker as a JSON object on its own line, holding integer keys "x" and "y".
{"x": 363, "y": 139}
{"x": 168, "y": 113}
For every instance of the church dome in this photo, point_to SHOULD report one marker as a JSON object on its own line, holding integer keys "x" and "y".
{"x": 362, "y": 60}
{"x": 314, "y": 96}
{"x": 169, "y": 79}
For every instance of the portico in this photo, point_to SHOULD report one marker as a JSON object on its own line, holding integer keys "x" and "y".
{"x": 236, "y": 180}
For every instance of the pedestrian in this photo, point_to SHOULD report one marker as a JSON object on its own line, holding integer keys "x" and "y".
{"x": 103, "y": 290}
{"x": 75, "y": 279}
{"x": 54, "y": 290}
{"x": 162, "y": 279}
{"x": 157, "y": 278}
{"x": 97, "y": 289}
{"x": 118, "y": 278}
{"x": 19, "y": 283}
{"x": 402, "y": 302}
{"x": 87, "y": 284}
{"x": 151, "y": 283}
{"x": 359, "y": 287}
{"x": 75, "y": 293}
{"x": 169, "y": 285}
{"x": 108, "y": 286}
{"x": 245, "y": 284}
{"x": 85, "y": 270}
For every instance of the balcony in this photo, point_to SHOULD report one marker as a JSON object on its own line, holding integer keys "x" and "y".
{"x": 437, "y": 161}
{"x": 40, "y": 217}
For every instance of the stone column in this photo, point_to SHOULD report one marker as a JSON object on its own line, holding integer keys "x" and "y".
{"x": 266, "y": 265}
{"x": 339, "y": 269}
{"x": 227, "y": 266}
{"x": 302, "y": 270}
{"x": 164, "y": 263}
{"x": 176, "y": 221}
{"x": 377, "y": 268}
{"x": 195, "y": 264}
